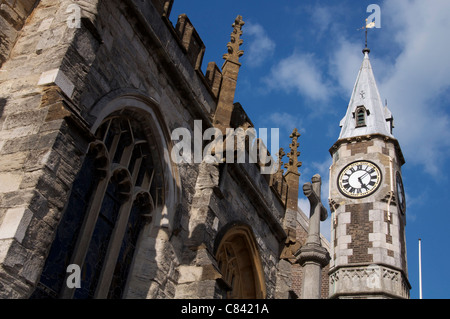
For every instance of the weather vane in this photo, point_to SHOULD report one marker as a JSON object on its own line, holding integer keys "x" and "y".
{"x": 366, "y": 27}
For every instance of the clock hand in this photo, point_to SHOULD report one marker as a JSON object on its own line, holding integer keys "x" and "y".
{"x": 366, "y": 174}
{"x": 361, "y": 178}
{"x": 361, "y": 182}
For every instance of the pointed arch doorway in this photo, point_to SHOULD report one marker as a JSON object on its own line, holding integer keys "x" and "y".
{"x": 240, "y": 264}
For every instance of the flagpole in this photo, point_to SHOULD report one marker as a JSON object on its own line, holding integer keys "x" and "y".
{"x": 420, "y": 268}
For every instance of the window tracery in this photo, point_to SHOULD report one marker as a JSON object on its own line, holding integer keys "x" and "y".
{"x": 119, "y": 186}
{"x": 240, "y": 266}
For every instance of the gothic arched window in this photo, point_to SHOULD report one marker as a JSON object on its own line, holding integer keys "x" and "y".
{"x": 119, "y": 186}
{"x": 239, "y": 262}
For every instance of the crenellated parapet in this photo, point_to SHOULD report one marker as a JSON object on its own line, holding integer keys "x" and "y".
{"x": 213, "y": 78}
{"x": 164, "y": 7}
{"x": 191, "y": 41}
{"x": 285, "y": 181}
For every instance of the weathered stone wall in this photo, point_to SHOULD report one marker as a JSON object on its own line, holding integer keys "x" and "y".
{"x": 240, "y": 205}
{"x": 46, "y": 150}
{"x": 46, "y": 128}
{"x": 13, "y": 14}
{"x": 56, "y": 87}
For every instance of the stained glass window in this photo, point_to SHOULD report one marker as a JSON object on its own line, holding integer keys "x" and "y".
{"x": 119, "y": 183}
{"x": 123, "y": 265}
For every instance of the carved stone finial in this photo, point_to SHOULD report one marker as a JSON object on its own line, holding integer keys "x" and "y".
{"x": 294, "y": 163}
{"x": 281, "y": 154}
{"x": 230, "y": 71}
{"x": 234, "y": 52}
{"x": 292, "y": 246}
{"x": 278, "y": 181}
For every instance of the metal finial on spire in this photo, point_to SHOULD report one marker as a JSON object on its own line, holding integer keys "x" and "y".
{"x": 367, "y": 26}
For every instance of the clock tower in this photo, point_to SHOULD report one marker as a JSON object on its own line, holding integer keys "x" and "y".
{"x": 367, "y": 200}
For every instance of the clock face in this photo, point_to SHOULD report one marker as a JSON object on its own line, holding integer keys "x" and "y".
{"x": 359, "y": 179}
{"x": 401, "y": 194}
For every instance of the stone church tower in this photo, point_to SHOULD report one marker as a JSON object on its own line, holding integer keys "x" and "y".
{"x": 367, "y": 200}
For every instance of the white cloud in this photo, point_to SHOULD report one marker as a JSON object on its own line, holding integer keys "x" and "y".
{"x": 304, "y": 205}
{"x": 309, "y": 169}
{"x": 322, "y": 17}
{"x": 419, "y": 80}
{"x": 260, "y": 47}
{"x": 416, "y": 83}
{"x": 325, "y": 19}
{"x": 300, "y": 73}
{"x": 344, "y": 65}
{"x": 323, "y": 169}
{"x": 325, "y": 227}
{"x": 286, "y": 122}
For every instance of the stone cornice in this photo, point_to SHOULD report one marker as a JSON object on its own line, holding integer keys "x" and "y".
{"x": 371, "y": 279}
{"x": 363, "y": 138}
{"x": 359, "y": 265}
{"x": 315, "y": 254}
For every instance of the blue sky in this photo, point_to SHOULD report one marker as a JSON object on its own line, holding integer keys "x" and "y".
{"x": 300, "y": 64}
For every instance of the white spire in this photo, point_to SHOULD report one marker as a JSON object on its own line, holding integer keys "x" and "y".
{"x": 366, "y": 113}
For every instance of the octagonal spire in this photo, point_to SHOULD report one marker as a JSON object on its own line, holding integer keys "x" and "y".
{"x": 366, "y": 114}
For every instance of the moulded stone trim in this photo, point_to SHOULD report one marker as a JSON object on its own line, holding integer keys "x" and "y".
{"x": 341, "y": 230}
{"x": 377, "y": 237}
{"x": 345, "y": 239}
{"x": 135, "y": 101}
{"x": 370, "y": 280}
{"x": 10, "y": 182}
{"x": 190, "y": 274}
{"x": 344, "y": 218}
{"x": 15, "y": 224}
{"x": 57, "y": 77}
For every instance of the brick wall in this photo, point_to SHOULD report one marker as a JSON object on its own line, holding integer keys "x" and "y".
{"x": 360, "y": 147}
{"x": 360, "y": 228}
{"x": 325, "y": 288}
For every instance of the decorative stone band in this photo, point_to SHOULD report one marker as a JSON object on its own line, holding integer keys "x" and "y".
{"x": 373, "y": 281}
{"x": 313, "y": 254}
{"x": 368, "y": 138}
